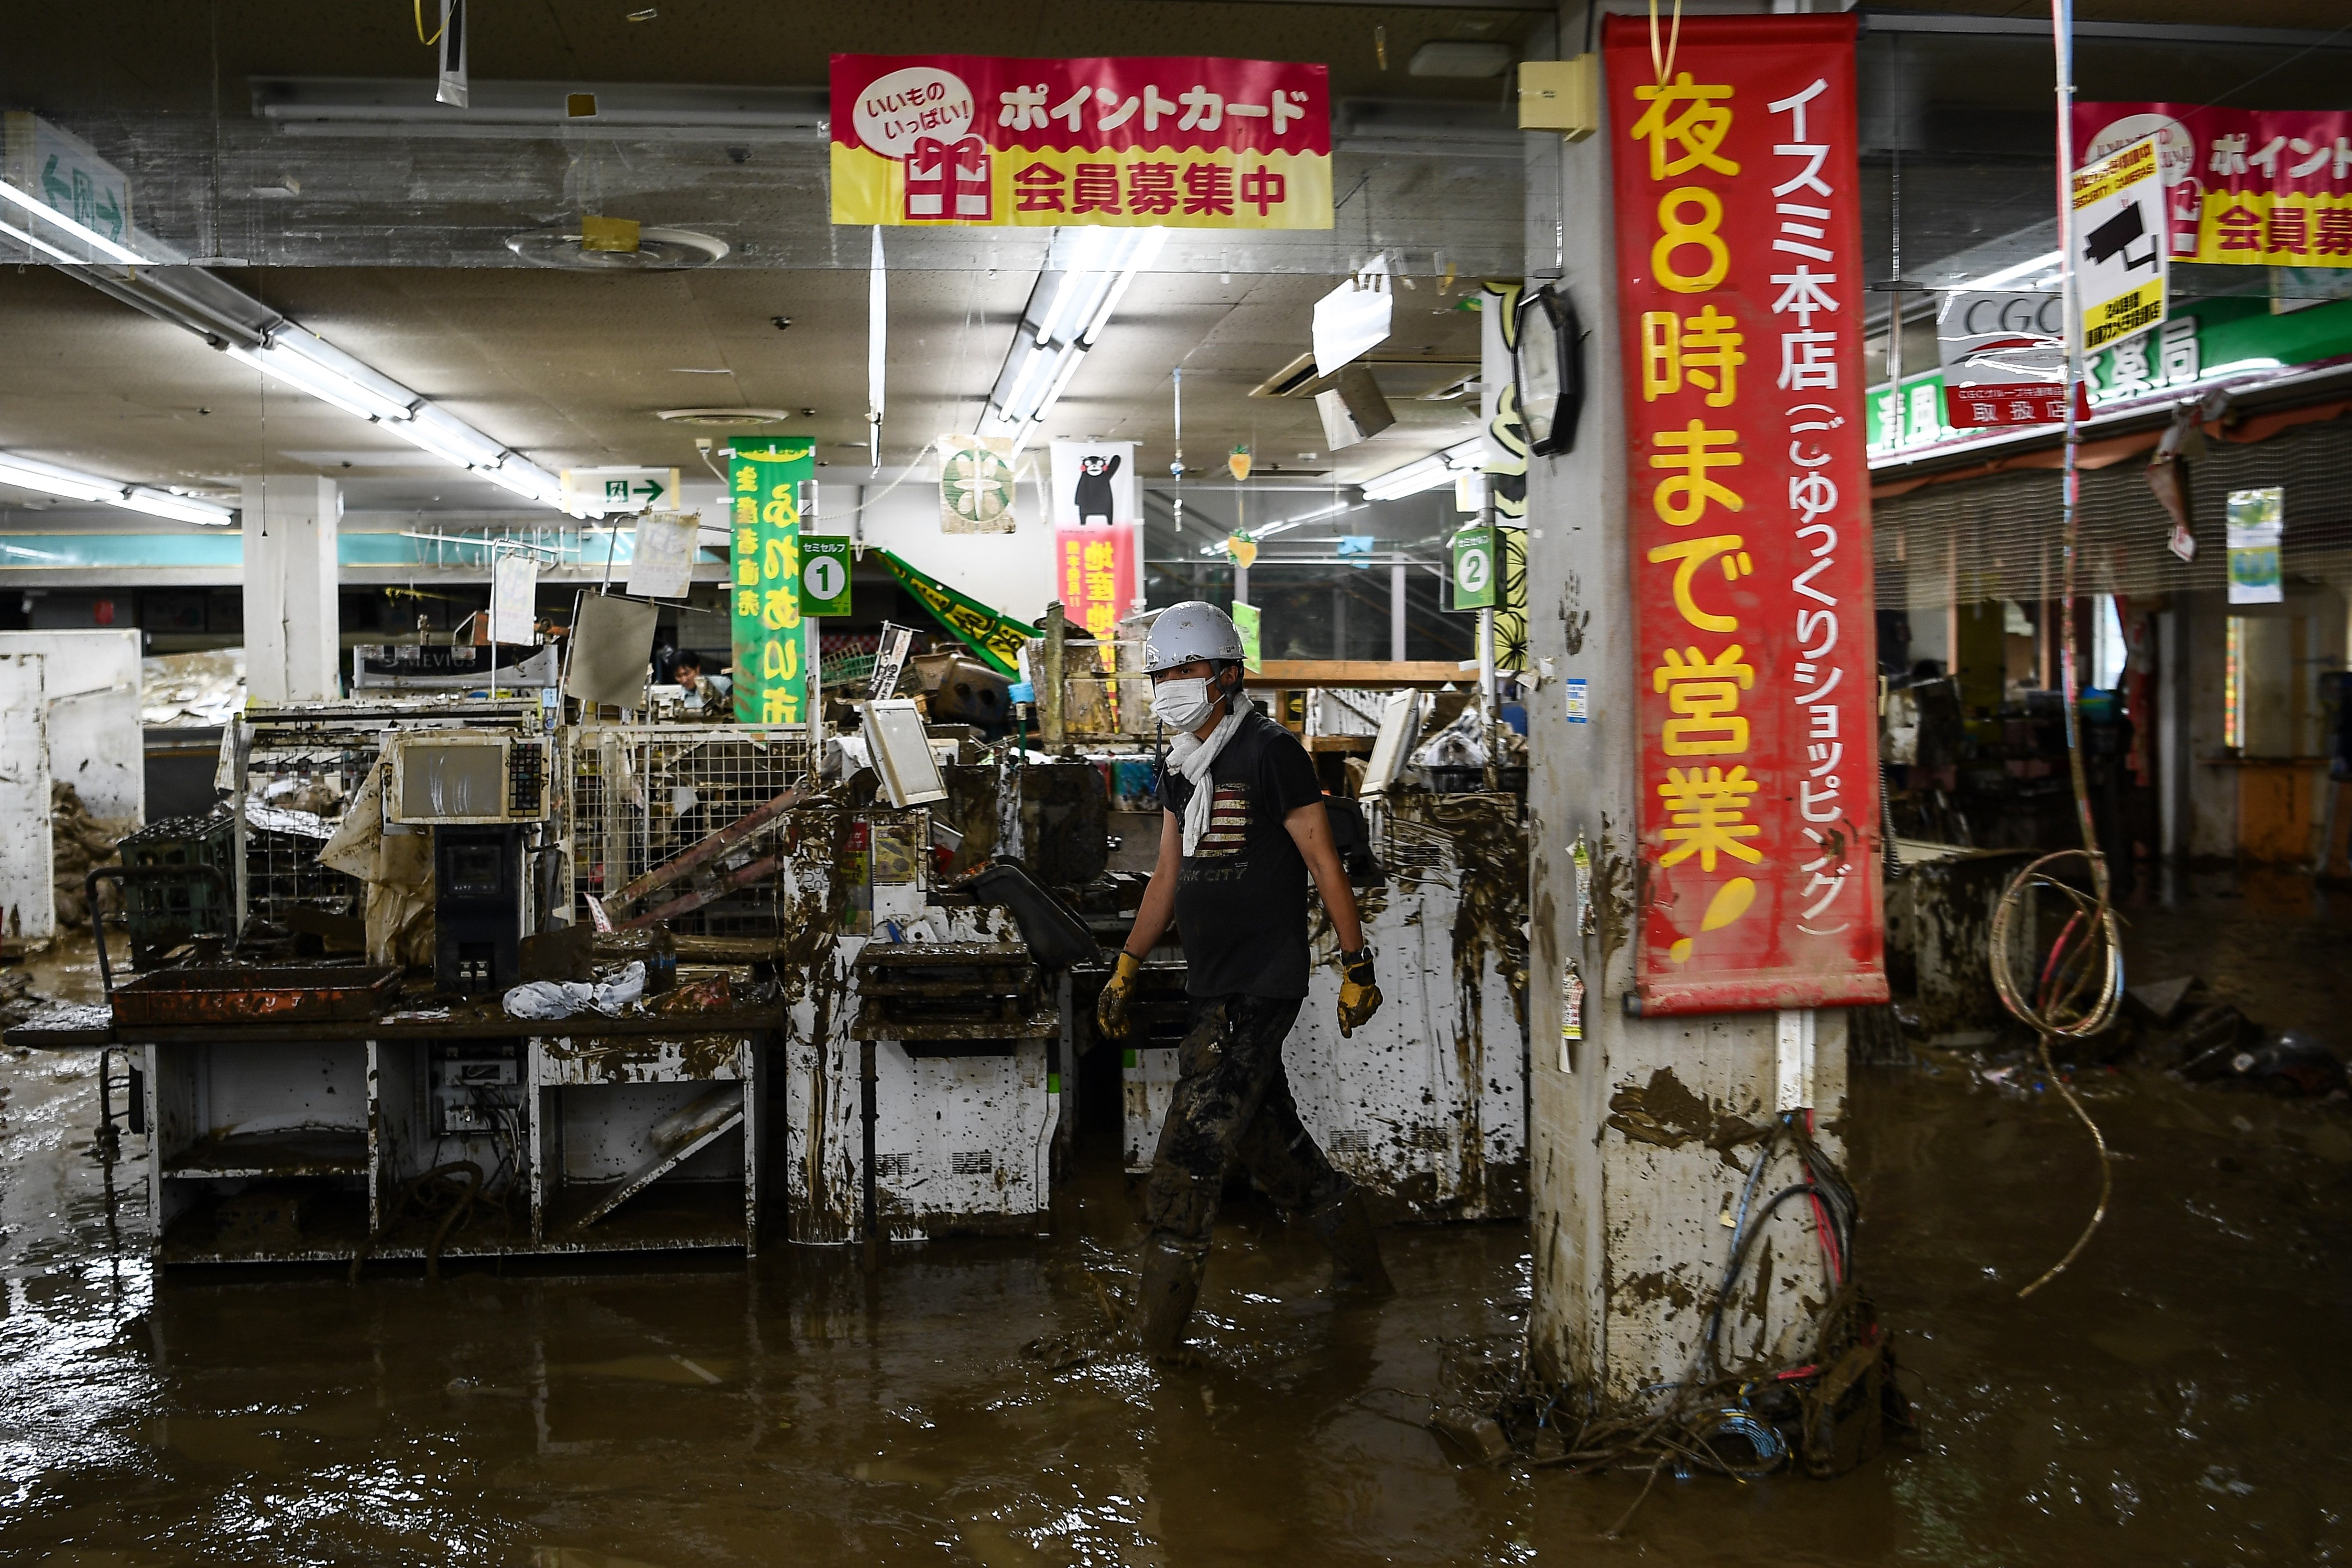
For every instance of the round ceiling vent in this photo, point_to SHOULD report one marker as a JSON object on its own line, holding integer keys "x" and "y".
{"x": 725, "y": 415}
{"x": 658, "y": 250}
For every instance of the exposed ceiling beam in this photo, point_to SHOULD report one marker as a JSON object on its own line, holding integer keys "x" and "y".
{"x": 2122, "y": 32}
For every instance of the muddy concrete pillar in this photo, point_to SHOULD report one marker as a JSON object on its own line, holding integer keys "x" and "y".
{"x": 1629, "y": 1178}
{"x": 293, "y": 630}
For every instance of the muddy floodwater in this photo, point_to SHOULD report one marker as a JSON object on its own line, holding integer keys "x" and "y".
{"x": 2182, "y": 1397}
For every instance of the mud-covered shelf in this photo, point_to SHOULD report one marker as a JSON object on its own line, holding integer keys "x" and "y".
{"x": 276, "y": 1144}
{"x": 260, "y": 1156}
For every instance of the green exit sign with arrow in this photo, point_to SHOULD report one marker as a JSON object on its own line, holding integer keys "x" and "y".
{"x": 623, "y": 488}
{"x": 64, "y": 174}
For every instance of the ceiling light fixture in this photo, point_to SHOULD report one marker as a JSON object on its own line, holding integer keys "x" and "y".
{"x": 723, "y": 417}
{"x": 171, "y": 290}
{"x": 1283, "y": 525}
{"x": 272, "y": 360}
{"x": 32, "y": 243}
{"x": 1087, "y": 273}
{"x": 49, "y": 478}
{"x": 1429, "y": 473}
{"x": 82, "y": 232}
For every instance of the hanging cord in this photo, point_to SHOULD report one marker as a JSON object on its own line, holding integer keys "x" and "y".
{"x": 2081, "y": 981}
{"x": 421, "y": 38}
{"x": 1664, "y": 65}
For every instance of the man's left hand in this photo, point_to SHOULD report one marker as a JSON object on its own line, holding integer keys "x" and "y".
{"x": 1360, "y": 996}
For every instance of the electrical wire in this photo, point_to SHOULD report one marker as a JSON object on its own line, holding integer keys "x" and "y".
{"x": 2081, "y": 981}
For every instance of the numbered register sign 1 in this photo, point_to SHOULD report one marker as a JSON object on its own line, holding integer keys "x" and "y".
{"x": 825, "y": 576}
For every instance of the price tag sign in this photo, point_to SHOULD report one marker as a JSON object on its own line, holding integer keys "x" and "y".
{"x": 824, "y": 575}
{"x": 1473, "y": 569}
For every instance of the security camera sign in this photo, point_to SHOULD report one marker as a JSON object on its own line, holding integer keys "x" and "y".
{"x": 2119, "y": 249}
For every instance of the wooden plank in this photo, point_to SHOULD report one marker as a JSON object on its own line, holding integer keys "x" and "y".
{"x": 1366, "y": 673}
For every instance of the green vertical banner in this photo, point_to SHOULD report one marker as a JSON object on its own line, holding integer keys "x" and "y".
{"x": 771, "y": 656}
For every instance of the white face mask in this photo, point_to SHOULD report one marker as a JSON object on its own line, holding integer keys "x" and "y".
{"x": 1182, "y": 704}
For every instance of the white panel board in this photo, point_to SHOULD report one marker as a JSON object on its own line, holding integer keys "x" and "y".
{"x": 27, "y": 904}
{"x": 96, "y": 743}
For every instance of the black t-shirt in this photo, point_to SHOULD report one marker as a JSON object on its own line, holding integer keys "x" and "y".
{"x": 1240, "y": 897}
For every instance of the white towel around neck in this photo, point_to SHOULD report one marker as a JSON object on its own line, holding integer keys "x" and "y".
{"x": 1193, "y": 757}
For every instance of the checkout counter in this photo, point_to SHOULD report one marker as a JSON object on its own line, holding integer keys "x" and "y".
{"x": 859, "y": 1022}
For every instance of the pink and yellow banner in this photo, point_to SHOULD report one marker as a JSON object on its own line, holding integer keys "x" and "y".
{"x": 2257, "y": 187}
{"x": 1181, "y": 141}
{"x": 1095, "y": 574}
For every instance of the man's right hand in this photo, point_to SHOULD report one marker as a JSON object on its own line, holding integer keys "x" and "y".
{"x": 1110, "y": 1008}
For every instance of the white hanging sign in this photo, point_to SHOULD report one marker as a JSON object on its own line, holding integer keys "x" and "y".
{"x": 1096, "y": 481}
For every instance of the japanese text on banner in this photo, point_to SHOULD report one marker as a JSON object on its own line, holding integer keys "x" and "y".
{"x": 1094, "y": 571}
{"x": 763, "y": 527}
{"x": 2244, "y": 186}
{"x": 1741, "y": 299}
{"x": 1183, "y": 141}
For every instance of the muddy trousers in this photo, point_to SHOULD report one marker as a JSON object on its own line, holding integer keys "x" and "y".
{"x": 1233, "y": 1103}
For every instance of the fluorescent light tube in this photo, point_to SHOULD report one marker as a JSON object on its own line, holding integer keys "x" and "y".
{"x": 324, "y": 385}
{"x": 435, "y": 432}
{"x": 90, "y": 237}
{"x": 532, "y": 482}
{"x": 179, "y": 508}
{"x": 27, "y": 475}
{"x": 2025, "y": 269}
{"x": 43, "y": 245}
{"x": 1424, "y": 473}
{"x": 1087, "y": 272}
{"x": 31, "y": 474}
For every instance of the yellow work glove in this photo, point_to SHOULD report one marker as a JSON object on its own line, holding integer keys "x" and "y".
{"x": 1110, "y": 1008}
{"x": 1360, "y": 998}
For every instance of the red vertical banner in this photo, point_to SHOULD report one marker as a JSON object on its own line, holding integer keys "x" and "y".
{"x": 1093, "y": 568}
{"x": 1741, "y": 295}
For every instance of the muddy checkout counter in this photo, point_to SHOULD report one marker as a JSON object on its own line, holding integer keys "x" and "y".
{"x": 853, "y": 1007}
{"x": 798, "y": 994}
{"x": 301, "y": 1101}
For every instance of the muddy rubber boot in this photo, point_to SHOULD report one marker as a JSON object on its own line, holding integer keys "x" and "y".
{"x": 1346, "y": 1228}
{"x": 1170, "y": 1284}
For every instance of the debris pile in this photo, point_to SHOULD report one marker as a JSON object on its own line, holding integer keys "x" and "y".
{"x": 78, "y": 841}
{"x": 191, "y": 691}
{"x": 2167, "y": 1024}
{"x": 2174, "y": 1026}
{"x": 18, "y": 1000}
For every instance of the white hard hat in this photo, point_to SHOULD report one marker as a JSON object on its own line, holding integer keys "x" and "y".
{"x": 1193, "y": 629}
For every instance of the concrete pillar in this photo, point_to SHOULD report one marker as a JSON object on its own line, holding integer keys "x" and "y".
{"x": 293, "y": 632}
{"x": 1626, "y": 1190}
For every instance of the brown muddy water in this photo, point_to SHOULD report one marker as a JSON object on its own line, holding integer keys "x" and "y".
{"x": 2180, "y": 1397}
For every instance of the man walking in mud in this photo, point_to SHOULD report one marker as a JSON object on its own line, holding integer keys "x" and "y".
{"x": 1243, "y": 828}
